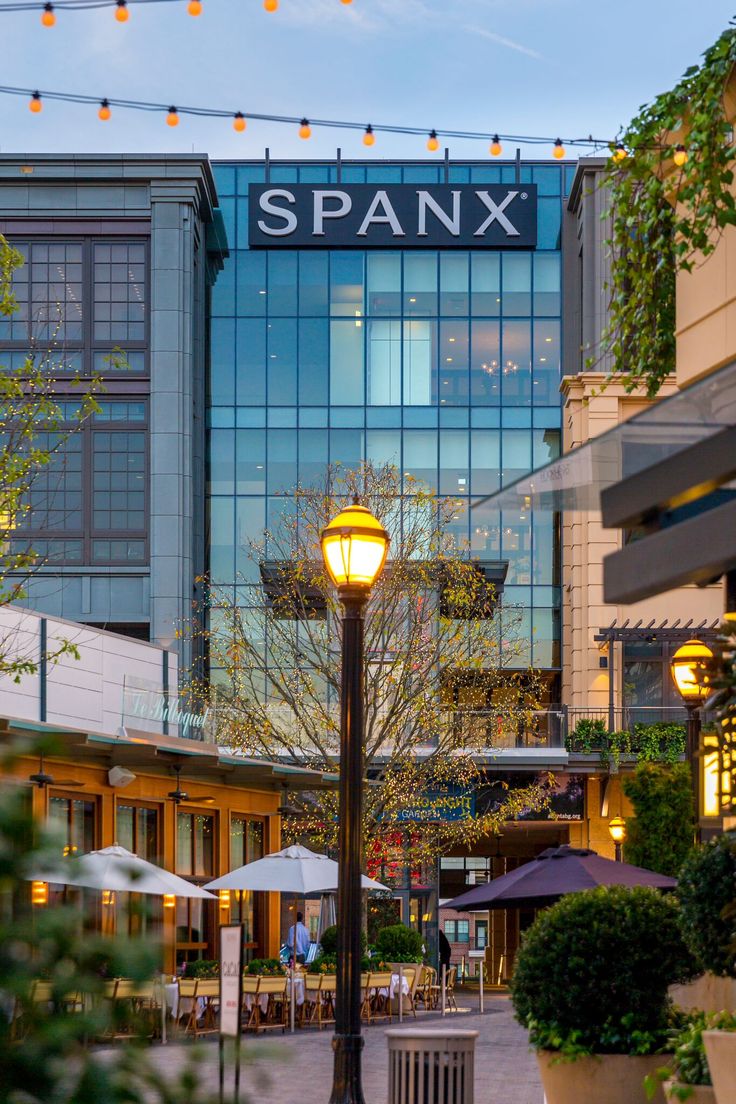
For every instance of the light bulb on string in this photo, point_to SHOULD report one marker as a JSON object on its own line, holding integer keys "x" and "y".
{"x": 34, "y": 103}
{"x": 305, "y": 130}
{"x": 495, "y": 147}
{"x": 48, "y": 18}
{"x": 239, "y": 122}
{"x": 271, "y": 5}
{"x": 369, "y": 138}
{"x": 558, "y": 151}
{"x": 346, "y": 2}
{"x": 104, "y": 113}
{"x": 121, "y": 11}
{"x": 172, "y": 118}
{"x": 194, "y": 7}
{"x": 432, "y": 142}
{"x": 620, "y": 153}
{"x": 680, "y": 155}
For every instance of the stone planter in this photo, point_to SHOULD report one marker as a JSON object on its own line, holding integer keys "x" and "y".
{"x": 720, "y": 1048}
{"x": 699, "y": 1094}
{"x": 600, "y": 1079}
{"x": 707, "y": 993}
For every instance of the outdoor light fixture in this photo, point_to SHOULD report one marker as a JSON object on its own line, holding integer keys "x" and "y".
{"x": 172, "y": 118}
{"x": 239, "y": 122}
{"x": 432, "y": 142}
{"x": 680, "y": 156}
{"x": 558, "y": 150}
{"x": 305, "y": 130}
{"x": 48, "y": 18}
{"x": 496, "y": 148}
{"x": 691, "y": 672}
{"x": 169, "y": 901}
{"x": 121, "y": 11}
{"x": 354, "y": 549}
{"x": 369, "y": 137}
{"x": 39, "y": 893}
{"x": 104, "y": 112}
{"x": 224, "y": 899}
{"x": 617, "y": 831}
{"x": 34, "y": 103}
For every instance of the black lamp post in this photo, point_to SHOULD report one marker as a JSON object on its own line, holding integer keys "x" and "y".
{"x": 691, "y": 669}
{"x": 354, "y": 548}
{"x": 617, "y": 831}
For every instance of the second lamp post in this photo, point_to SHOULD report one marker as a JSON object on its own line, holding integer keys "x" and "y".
{"x": 354, "y": 548}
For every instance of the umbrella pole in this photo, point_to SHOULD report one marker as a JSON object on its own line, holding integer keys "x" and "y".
{"x": 292, "y": 1002}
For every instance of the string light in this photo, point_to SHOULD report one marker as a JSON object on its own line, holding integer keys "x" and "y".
{"x": 239, "y": 122}
{"x": 104, "y": 113}
{"x": 172, "y": 118}
{"x": 496, "y": 148}
{"x": 122, "y": 14}
{"x": 271, "y": 5}
{"x": 369, "y": 138}
{"x": 305, "y": 130}
{"x": 432, "y": 142}
{"x": 35, "y": 102}
{"x": 620, "y": 153}
{"x": 48, "y": 18}
{"x": 680, "y": 155}
{"x": 558, "y": 150}
{"x": 194, "y": 7}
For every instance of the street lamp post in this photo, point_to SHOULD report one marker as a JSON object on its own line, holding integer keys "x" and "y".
{"x": 617, "y": 830}
{"x": 354, "y": 548}
{"x": 691, "y": 669}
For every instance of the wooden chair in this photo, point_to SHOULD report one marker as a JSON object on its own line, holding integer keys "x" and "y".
{"x": 250, "y": 1001}
{"x": 412, "y": 975}
{"x": 450, "y": 989}
{"x": 427, "y": 988}
{"x": 326, "y": 1011}
{"x": 196, "y": 990}
{"x": 379, "y": 996}
{"x": 277, "y": 1006}
{"x": 312, "y": 1007}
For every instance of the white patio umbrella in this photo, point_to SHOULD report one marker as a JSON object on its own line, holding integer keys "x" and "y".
{"x": 327, "y": 912}
{"x": 295, "y": 870}
{"x": 116, "y": 868}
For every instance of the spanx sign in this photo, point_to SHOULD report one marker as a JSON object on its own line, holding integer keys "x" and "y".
{"x": 399, "y": 216}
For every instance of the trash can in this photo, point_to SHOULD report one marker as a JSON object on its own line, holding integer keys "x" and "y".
{"x": 431, "y": 1066}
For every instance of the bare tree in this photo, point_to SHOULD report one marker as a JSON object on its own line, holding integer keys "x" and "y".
{"x": 442, "y": 684}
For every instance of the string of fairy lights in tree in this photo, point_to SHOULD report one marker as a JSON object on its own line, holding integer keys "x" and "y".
{"x": 121, "y": 8}
{"x": 239, "y": 119}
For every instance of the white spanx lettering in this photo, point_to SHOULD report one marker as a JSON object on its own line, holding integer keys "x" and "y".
{"x": 372, "y": 217}
{"x": 497, "y": 214}
{"x": 270, "y": 208}
{"x": 450, "y": 222}
{"x": 321, "y": 212}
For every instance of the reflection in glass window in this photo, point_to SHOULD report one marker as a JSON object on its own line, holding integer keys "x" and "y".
{"x": 383, "y": 446}
{"x": 420, "y": 284}
{"x": 222, "y": 540}
{"x": 119, "y": 481}
{"x": 485, "y": 283}
{"x": 485, "y": 532}
{"x": 346, "y": 447}
{"x": 420, "y": 456}
{"x": 547, "y": 283}
{"x": 282, "y": 361}
{"x": 221, "y": 461}
{"x": 346, "y": 363}
{"x": 137, "y": 830}
{"x": 312, "y": 456}
{"x": 516, "y": 363}
{"x": 313, "y": 361}
{"x": 281, "y": 470}
{"x": 485, "y": 363}
{"x": 517, "y": 284}
{"x": 485, "y": 446}
{"x": 119, "y": 291}
{"x": 251, "y": 282}
{"x": 250, "y": 470}
{"x": 195, "y": 844}
{"x": 384, "y": 284}
{"x": 454, "y": 462}
{"x": 249, "y": 521}
{"x": 454, "y": 363}
{"x": 420, "y": 359}
{"x": 250, "y": 362}
{"x": 282, "y": 283}
{"x": 546, "y": 565}
{"x": 222, "y": 361}
{"x": 346, "y": 284}
{"x": 516, "y": 546}
{"x": 454, "y": 284}
{"x": 546, "y": 383}
{"x": 516, "y": 457}
{"x": 312, "y": 282}
{"x": 383, "y": 377}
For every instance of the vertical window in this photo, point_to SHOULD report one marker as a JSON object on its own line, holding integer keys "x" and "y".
{"x": 346, "y": 363}
{"x": 195, "y": 844}
{"x": 49, "y": 293}
{"x": 485, "y": 361}
{"x": 384, "y": 363}
{"x": 420, "y": 457}
{"x": 119, "y": 281}
{"x": 420, "y": 284}
{"x": 516, "y": 363}
{"x": 463, "y": 931}
{"x": 485, "y": 283}
{"x": 75, "y": 821}
{"x": 346, "y": 284}
{"x": 481, "y": 934}
{"x": 137, "y": 830}
{"x": 454, "y": 284}
{"x": 383, "y": 289}
{"x": 313, "y": 361}
{"x": 517, "y": 284}
{"x": 453, "y": 363}
{"x": 451, "y": 930}
{"x": 420, "y": 362}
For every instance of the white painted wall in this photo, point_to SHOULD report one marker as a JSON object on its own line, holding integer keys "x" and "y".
{"x": 93, "y": 692}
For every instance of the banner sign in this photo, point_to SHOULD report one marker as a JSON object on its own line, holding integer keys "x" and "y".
{"x": 396, "y": 216}
{"x": 447, "y": 805}
{"x": 567, "y": 796}
{"x": 231, "y": 979}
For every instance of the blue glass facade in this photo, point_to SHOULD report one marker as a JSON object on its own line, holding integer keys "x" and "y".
{"x": 446, "y": 363}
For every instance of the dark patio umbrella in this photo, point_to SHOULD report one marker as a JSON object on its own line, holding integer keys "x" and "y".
{"x": 557, "y": 871}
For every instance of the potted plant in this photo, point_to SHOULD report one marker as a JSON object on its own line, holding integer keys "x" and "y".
{"x": 707, "y": 894}
{"x": 590, "y": 983}
{"x": 688, "y": 1076}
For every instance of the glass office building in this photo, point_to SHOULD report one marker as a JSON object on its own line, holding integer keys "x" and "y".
{"x": 444, "y": 362}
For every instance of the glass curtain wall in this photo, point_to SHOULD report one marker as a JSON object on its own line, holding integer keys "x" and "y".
{"x": 445, "y": 363}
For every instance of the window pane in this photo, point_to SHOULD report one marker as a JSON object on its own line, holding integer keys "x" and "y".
{"x": 546, "y": 283}
{"x": 420, "y": 284}
{"x": 282, "y": 361}
{"x": 249, "y": 520}
{"x": 485, "y": 277}
{"x": 221, "y": 461}
{"x": 546, "y": 385}
{"x": 251, "y": 282}
{"x": 125, "y": 818}
{"x": 517, "y": 283}
{"x": 119, "y": 481}
{"x": 453, "y": 363}
{"x": 237, "y": 842}
{"x": 516, "y": 455}
{"x": 313, "y": 360}
{"x": 384, "y": 283}
{"x": 222, "y": 540}
{"x": 383, "y": 446}
{"x": 485, "y": 447}
{"x": 346, "y": 364}
{"x": 204, "y": 842}
{"x": 384, "y": 363}
{"x": 222, "y": 361}
{"x": 250, "y": 362}
{"x": 119, "y": 291}
{"x": 516, "y": 360}
{"x": 485, "y": 358}
{"x": 184, "y": 843}
{"x": 346, "y": 447}
{"x": 281, "y": 460}
{"x": 282, "y": 283}
{"x": 250, "y": 472}
{"x": 346, "y": 284}
{"x": 313, "y": 283}
{"x": 420, "y": 360}
{"x": 454, "y": 284}
{"x": 312, "y": 456}
{"x": 420, "y": 456}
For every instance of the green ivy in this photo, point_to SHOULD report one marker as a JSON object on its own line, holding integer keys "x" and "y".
{"x": 660, "y": 834}
{"x": 664, "y": 217}
{"x": 651, "y": 742}
{"x": 659, "y": 741}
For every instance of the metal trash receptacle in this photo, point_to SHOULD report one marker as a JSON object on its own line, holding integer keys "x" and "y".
{"x": 431, "y": 1066}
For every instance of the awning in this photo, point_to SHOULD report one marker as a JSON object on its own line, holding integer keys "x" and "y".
{"x": 575, "y": 481}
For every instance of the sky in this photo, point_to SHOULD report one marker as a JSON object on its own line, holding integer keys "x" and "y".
{"x": 529, "y": 67}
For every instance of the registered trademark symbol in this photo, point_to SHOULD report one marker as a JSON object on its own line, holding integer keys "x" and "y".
{"x": 524, "y": 195}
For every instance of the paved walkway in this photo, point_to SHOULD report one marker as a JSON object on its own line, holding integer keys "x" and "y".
{"x": 285, "y": 1069}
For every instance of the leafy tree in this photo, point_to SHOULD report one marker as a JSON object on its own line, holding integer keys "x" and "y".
{"x": 434, "y": 638}
{"x": 44, "y": 1052}
{"x": 35, "y": 424}
{"x": 707, "y": 892}
{"x": 660, "y": 834}
{"x": 667, "y": 217}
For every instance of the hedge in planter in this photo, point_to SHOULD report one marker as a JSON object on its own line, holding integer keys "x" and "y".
{"x": 397, "y": 943}
{"x": 592, "y": 973}
{"x": 660, "y": 834}
{"x": 707, "y": 893}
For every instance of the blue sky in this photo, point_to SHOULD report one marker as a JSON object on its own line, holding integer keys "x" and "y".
{"x": 571, "y": 67}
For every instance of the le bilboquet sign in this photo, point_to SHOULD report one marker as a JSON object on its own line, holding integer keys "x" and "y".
{"x": 162, "y": 709}
{"x": 398, "y": 216}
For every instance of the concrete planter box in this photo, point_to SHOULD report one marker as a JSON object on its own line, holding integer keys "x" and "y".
{"x": 600, "y": 1079}
{"x": 720, "y": 1048}
{"x": 707, "y": 993}
{"x": 699, "y": 1094}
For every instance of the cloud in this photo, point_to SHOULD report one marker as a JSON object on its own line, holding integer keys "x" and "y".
{"x": 501, "y": 40}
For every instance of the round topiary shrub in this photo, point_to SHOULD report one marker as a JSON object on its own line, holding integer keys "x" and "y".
{"x": 592, "y": 973}
{"x": 397, "y": 943}
{"x": 328, "y": 940}
{"x": 707, "y": 893}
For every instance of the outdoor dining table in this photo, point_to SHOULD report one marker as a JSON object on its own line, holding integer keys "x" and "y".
{"x": 263, "y": 998}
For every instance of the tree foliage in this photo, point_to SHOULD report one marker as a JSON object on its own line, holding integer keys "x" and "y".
{"x": 660, "y": 834}
{"x": 593, "y": 971}
{"x": 438, "y": 649}
{"x": 35, "y": 423}
{"x": 707, "y": 892}
{"x": 667, "y": 219}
